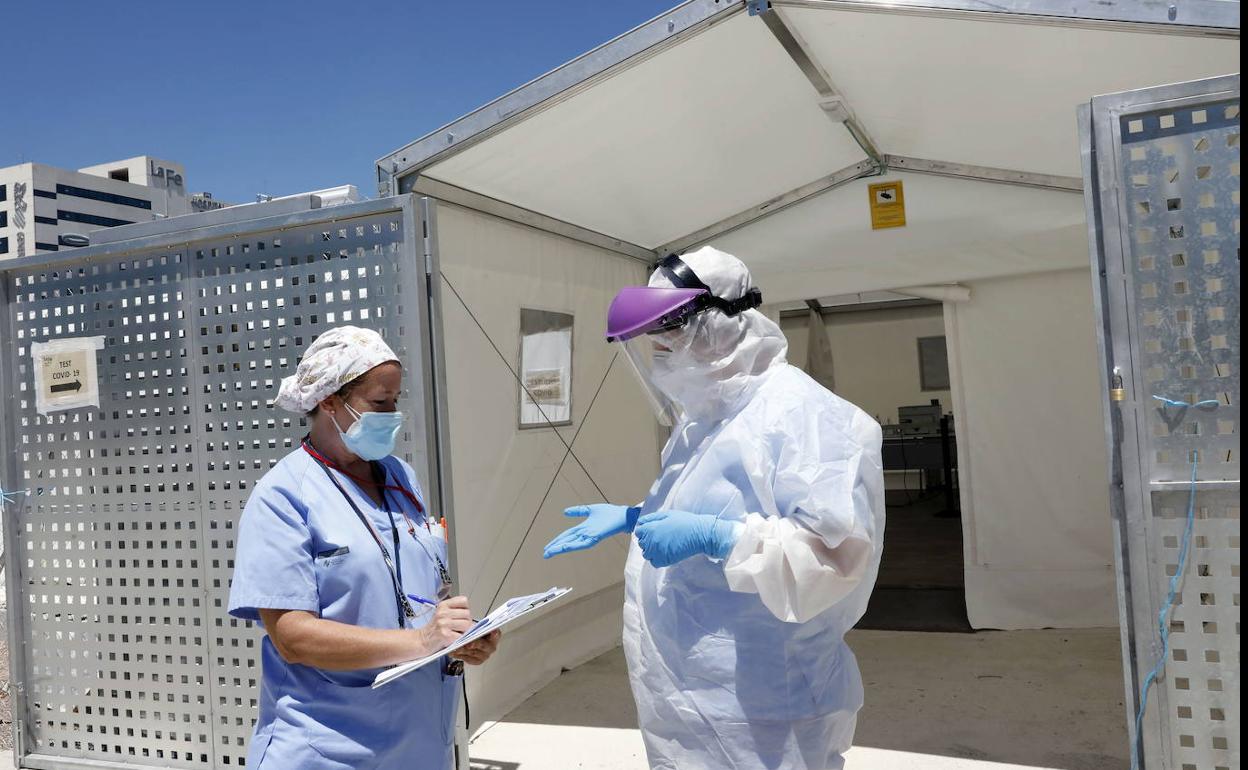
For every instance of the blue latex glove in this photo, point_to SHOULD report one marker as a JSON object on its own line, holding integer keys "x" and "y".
{"x": 668, "y": 537}
{"x": 601, "y": 521}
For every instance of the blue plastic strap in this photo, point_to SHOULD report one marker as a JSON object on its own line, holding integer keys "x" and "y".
{"x": 1163, "y": 619}
{"x": 1184, "y": 405}
{"x": 11, "y": 496}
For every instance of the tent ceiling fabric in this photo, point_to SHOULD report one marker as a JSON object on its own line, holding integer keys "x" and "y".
{"x": 724, "y": 120}
{"x": 988, "y": 93}
{"x": 957, "y": 230}
{"x": 699, "y": 132}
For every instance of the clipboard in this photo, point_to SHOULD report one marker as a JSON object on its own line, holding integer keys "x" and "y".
{"x": 512, "y": 609}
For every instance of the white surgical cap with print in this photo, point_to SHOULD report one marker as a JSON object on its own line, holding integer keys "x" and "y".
{"x": 336, "y": 358}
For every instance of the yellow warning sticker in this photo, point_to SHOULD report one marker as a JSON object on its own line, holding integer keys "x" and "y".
{"x": 888, "y": 205}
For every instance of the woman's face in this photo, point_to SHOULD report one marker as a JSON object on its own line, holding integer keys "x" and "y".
{"x": 377, "y": 391}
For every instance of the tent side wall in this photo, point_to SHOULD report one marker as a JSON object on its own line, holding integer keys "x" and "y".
{"x": 1037, "y": 542}
{"x": 510, "y": 485}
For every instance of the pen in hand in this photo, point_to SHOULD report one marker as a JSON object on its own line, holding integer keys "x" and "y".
{"x": 425, "y": 601}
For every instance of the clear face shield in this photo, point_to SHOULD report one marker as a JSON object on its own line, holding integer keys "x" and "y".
{"x": 658, "y": 327}
{"x": 644, "y": 353}
{"x": 640, "y": 319}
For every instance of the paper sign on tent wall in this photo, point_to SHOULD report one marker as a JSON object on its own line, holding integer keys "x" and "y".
{"x": 888, "y": 205}
{"x": 545, "y": 368}
{"x": 65, "y": 373}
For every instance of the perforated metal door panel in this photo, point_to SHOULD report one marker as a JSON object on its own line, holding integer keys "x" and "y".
{"x": 1164, "y": 203}
{"x": 119, "y": 559}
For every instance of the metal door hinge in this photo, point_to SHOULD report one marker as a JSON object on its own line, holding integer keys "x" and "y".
{"x": 758, "y": 7}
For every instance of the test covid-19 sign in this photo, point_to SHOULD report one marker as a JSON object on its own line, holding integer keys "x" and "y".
{"x": 65, "y": 373}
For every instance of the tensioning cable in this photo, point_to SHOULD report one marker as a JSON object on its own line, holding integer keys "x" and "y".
{"x": 567, "y": 444}
{"x": 516, "y": 376}
{"x": 549, "y": 488}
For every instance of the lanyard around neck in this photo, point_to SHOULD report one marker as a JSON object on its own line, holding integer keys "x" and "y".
{"x": 402, "y": 490}
{"x": 402, "y": 606}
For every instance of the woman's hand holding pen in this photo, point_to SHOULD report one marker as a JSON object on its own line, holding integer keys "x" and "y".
{"x": 451, "y": 619}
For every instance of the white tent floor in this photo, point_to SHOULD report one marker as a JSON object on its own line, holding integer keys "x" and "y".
{"x": 1040, "y": 700}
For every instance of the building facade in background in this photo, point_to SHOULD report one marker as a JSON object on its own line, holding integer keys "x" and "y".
{"x": 203, "y": 201}
{"x": 40, "y": 204}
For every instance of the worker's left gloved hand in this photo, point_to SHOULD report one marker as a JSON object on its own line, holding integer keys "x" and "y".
{"x": 602, "y": 520}
{"x": 668, "y": 537}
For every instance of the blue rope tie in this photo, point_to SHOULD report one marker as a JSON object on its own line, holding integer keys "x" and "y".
{"x": 1163, "y": 617}
{"x": 11, "y": 497}
{"x": 1212, "y": 402}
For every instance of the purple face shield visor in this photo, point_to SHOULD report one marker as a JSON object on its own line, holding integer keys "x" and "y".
{"x": 639, "y": 310}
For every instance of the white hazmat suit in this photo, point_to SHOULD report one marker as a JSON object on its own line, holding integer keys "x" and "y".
{"x": 742, "y": 664}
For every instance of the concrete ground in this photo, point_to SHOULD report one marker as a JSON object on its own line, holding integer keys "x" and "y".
{"x": 986, "y": 701}
{"x": 1021, "y": 700}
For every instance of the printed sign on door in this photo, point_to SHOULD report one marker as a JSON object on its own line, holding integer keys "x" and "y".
{"x": 65, "y": 373}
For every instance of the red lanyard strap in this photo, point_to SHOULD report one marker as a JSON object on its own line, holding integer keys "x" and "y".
{"x": 326, "y": 464}
{"x": 412, "y": 498}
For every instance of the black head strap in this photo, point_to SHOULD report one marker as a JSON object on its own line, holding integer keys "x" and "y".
{"x": 683, "y": 277}
{"x": 752, "y": 299}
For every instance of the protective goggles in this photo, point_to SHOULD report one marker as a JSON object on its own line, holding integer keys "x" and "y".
{"x": 639, "y": 310}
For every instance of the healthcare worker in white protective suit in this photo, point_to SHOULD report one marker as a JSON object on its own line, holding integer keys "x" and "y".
{"x": 757, "y": 547}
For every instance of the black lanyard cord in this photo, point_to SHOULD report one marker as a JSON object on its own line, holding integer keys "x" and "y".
{"x": 379, "y": 478}
{"x": 402, "y": 606}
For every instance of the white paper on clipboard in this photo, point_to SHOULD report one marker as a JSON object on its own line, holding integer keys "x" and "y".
{"x": 501, "y": 616}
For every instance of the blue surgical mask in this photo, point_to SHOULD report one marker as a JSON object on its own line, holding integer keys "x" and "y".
{"x": 373, "y": 434}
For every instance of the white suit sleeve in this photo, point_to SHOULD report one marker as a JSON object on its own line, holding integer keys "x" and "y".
{"x": 830, "y": 492}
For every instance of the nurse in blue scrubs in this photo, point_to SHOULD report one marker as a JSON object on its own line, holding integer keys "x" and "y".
{"x": 340, "y": 562}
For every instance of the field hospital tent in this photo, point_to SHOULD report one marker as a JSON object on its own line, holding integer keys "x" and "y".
{"x": 757, "y": 127}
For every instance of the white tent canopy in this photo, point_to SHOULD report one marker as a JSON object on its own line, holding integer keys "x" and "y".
{"x": 715, "y": 117}
{"x": 757, "y": 126}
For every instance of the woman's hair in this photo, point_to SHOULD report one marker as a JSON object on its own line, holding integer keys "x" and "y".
{"x": 345, "y": 391}
{"x": 342, "y": 392}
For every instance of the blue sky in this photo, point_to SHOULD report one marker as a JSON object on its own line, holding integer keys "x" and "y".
{"x": 269, "y": 96}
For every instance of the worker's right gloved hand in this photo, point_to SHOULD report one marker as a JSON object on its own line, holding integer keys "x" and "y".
{"x": 601, "y": 521}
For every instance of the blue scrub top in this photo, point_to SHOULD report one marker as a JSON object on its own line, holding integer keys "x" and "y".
{"x": 301, "y": 547}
